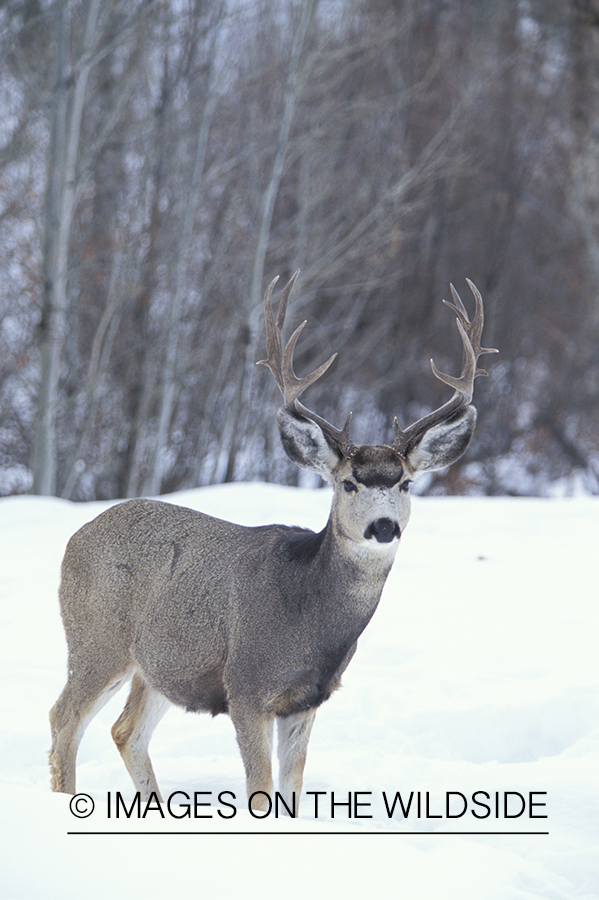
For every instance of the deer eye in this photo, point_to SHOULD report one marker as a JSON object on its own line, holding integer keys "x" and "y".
{"x": 350, "y": 487}
{"x": 405, "y": 486}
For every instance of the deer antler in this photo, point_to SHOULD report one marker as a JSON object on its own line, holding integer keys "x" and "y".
{"x": 470, "y": 332}
{"x": 280, "y": 363}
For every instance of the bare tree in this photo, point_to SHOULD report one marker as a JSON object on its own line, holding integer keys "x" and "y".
{"x": 70, "y": 80}
{"x": 384, "y": 148}
{"x": 77, "y": 51}
{"x": 168, "y": 380}
{"x": 294, "y": 85}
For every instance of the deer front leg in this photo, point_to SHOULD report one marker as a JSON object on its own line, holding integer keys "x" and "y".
{"x": 254, "y": 736}
{"x": 294, "y": 734}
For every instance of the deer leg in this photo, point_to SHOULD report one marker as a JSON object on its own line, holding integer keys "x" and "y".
{"x": 69, "y": 717}
{"x": 294, "y": 734}
{"x": 254, "y": 736}
{"x": 133, "y": 730}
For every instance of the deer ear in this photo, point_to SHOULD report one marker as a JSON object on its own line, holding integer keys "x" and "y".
{"x": 444, "y": 443}
{"x": 305, "y": 443}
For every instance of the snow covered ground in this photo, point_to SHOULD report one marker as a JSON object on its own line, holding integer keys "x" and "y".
{"x": 478, "y": 673}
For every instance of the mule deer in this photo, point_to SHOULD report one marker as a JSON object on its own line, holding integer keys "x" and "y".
{"x": 259, "y": 623}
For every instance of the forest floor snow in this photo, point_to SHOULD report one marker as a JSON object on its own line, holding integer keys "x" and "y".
{"x": 478, "y": 673}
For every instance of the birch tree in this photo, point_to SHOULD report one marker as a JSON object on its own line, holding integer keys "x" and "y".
{"x": 252, "y": 304}
{"x": 168, "y": 380}
{"x": 76, "y": 53}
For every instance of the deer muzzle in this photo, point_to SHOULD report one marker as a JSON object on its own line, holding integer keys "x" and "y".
{"x": 383, "y": 531}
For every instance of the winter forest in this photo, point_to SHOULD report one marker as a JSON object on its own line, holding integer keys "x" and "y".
{"x": 162, "y": 160}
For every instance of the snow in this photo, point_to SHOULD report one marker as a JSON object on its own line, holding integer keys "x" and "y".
{"x": 478, "y": 673}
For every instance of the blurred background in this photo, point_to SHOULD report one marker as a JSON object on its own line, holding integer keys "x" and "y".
{"x": 162, "y": 160}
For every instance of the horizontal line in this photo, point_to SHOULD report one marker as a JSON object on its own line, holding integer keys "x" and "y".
{"x": 268, "y": 833}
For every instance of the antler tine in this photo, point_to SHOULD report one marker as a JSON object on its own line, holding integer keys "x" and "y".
{"x": 465, "y": 383}
{"x": 280, "y": 363}
{"x": 284, "y": 299}
{"x": 473, "y": 329}
{"x": 295, "y": 386}
{"x": 470, "y": 333}
{"x": 273, "y": 338}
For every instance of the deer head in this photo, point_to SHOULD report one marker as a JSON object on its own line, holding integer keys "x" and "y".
{"x": 371, "y": 482}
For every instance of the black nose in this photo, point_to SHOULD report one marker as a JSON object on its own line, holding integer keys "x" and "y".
{"x": 382, "y": 530}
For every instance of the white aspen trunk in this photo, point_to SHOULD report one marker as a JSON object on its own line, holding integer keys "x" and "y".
{"x": 253, "y": 309}
{"x": 168, "y": 385}
{"x": 65, "y": 132}
{"x": 291, "y": 93}
{"x": 54, "y": 295}
{"x": 98, "y": 364}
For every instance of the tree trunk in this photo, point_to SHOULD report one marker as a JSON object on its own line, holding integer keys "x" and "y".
{"x": 65, "y": 132}
{"x": 253, "y": 306}
{"x": 168, "y": 384}
{"x": 585, "y": 114}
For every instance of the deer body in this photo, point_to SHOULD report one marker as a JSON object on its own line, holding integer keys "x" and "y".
{"x": 259, "y": 623}
{"x": 202, "y": 631}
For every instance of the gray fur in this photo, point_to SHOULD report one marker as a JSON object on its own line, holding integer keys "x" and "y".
{"x": 259, "y": 623}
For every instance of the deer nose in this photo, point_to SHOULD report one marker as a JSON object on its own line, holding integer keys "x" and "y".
{"x": 382, "y": 530}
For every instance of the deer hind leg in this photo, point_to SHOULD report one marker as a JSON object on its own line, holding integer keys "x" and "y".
{"x": 79, "y": 702}
{"x": 133, "y": 730}
{"x": 294, "y": 733}
{"x": 254, "y": 736}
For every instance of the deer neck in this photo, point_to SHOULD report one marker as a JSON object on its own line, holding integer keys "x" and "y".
{"x": 358, "y": 570}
